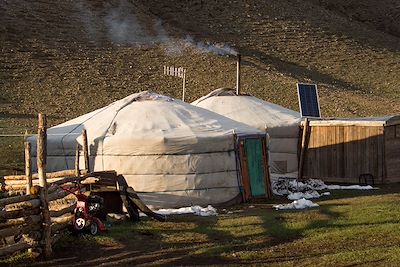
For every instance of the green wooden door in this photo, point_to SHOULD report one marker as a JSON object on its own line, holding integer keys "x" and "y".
{"x": 255, "y": 166}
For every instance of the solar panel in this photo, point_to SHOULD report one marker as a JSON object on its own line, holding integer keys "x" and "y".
{"x": 308, "y": 100}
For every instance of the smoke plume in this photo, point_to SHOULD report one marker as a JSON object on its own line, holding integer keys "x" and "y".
{"x": 120, "y": 24}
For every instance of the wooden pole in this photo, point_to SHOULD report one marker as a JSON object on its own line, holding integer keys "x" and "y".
{"x": 85, "y": 149}
{"x": 10, "y": 249}
{"x": 265, "y": 147}
{"x": 184, "y": 85}
{"x": 16, "y": 199}
{"x": 238, "y": 74}
{"x": 77, "y": 170}
{"x": 17, "y": 213}
{"x": 28, "y": 167}
{"x": 42, "y": 150}
{"x": 304, "y": 145}
{"x": 41, "y": 165}
{"x": 237, "y": 158}
{"x": 58, "y": 174}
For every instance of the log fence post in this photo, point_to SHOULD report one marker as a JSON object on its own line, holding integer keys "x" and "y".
{"x": 85, "y": 150}
{"x": 28, "y": 167}
{"x": 77, "y": 169}
{"x": 41, "y": 166}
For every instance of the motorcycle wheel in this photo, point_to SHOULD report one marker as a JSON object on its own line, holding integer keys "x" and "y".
{"x": 93, "y": 228}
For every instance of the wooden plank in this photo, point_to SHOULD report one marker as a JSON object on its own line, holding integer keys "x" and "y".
{"x": 387, "y": 168}
{"x": 358, "y": 164}
{"x": 380, "y": 154}
{"x": 320, "y": 155}
{"x": 327, "y": 150}
{"x": 356, "y": 159}
{"x": 333, "y": 152}
{"x": 340, "y": 167}
{"x": 368, "y": 166}
{"x": 323, "y": 151}
{"x": 373, "y": 131}
{"x": 347, "y": 150}
{"x": 345, "y": 123}
{"x": 373, "y": 140}
{"x": 314, "y": 161}
{"x": 363, "y": 148}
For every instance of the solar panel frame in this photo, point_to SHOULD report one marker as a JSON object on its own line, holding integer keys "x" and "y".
{"x": 316, "y": 101}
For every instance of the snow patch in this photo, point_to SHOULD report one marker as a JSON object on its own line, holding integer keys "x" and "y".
{"x": 306, "y": 195}
{"x": 196, "y": 210}
{"x": 297, "y": 205}
{"x": 308, "y": 189}
{"x": 350, "y": 187}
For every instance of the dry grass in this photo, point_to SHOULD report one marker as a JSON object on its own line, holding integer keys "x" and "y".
{"x": 52, "y": 62}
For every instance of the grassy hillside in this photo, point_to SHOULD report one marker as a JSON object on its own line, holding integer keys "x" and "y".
{"x": 66, "y": 58}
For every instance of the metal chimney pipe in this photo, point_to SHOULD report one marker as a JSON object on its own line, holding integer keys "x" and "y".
{"x": 238, "y": 74}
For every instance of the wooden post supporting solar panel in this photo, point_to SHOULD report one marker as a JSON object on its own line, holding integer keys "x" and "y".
{"x": 41, "y": 165}
{"x": 304, "y": 146}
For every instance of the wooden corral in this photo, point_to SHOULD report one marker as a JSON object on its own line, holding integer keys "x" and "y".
{"x": 37, "y": 219}
{"x": 341, "y": 150}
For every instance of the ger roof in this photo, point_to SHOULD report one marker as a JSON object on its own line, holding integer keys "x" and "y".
{"x": 248, "y": 109}
{"x": 147, "y": 118}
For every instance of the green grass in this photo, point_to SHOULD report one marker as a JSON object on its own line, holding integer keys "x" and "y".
{"x": 356, "y": 229}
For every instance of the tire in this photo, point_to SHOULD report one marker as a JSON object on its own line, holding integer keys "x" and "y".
{"x": 79, "y": 223}
{"x": 93, "y": 228}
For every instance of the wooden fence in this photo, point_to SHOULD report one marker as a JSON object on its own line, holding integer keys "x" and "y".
{"x": 22, "y": 220}
{"x": 38, "y": 218}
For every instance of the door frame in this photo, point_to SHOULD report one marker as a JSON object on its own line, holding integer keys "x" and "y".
{"x": 242, "y": 166}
